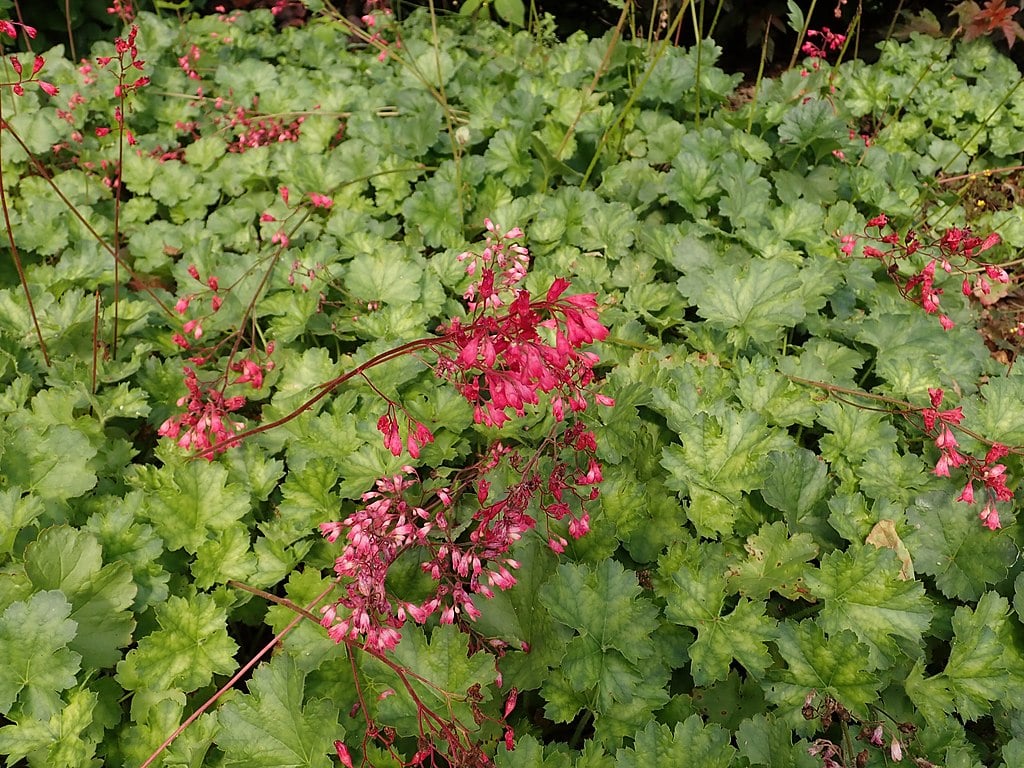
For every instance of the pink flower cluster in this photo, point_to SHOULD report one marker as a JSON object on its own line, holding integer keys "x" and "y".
{"x": 501, "y": 363}
{"x": 988, "y": 473}
{"x": 252, "y": 130}
{"x": 827, "y": 41}
{"x": 400, "y": 515}
{"x": 10, "y": 29}
{"x": 205, "y": 425}
{"x": 507, "y": 354}
{"x": 955, "y": 250}
{"x": 194, "y": 327}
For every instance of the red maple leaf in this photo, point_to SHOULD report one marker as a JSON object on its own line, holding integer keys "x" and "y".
{"x": 977, "y": 21}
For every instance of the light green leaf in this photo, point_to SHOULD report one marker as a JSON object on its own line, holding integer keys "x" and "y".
{"x": 777, "y": 562}
{"x": 274, "y": 726}
{"x": 189, "y": 502}
{"x": 981, "y": 657}
{"x": 229, "y": 556}
{"x": 191, "y": 646}
{"x": 37, "y": 662}
{"x": 71, "y": 561}
{"x": 853, "y": 432}
{"x": 17, "y": 511}
{"x": 721, "y": 456}
{"x": 512, "y": 11}
{"x": 59, "y": 742}
{"x": 763, "y": 740}
{"x": 796, "y": 481}
{"x": 742, "y": 635}
{"x": 562, "y": 702}
{"x": 812, "y": 122}
{"x": 445, "y": 671}
{"x": 691, "y": 743}
{"x": 390, "y": 276}
{"x": 134, "y": 543}
{"x": 54, "y": 462}
{"x": 751, "y": 300}
{"x": 794, "y": 16}
{"x": 862, "y": 591}
{"x": 998, "y": 411}
{"x": 530, "y": 753}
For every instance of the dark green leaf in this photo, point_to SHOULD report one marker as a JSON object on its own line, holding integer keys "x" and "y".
{"x": 837, "y": 665}
{"x": 949, "y": 543}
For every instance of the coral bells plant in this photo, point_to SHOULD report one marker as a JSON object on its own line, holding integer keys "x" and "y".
{"x": 511, "y": 352}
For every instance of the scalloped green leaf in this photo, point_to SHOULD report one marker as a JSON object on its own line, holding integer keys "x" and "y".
{"x": 275, "y": 725}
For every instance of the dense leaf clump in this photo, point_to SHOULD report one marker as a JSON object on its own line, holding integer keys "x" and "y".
{"x": 776, "y": 573}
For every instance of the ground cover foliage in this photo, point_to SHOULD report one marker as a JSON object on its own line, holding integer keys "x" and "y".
{"x": 783, "y": 567}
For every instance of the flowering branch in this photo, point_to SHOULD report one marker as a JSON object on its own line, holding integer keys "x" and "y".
{"x": 957, "y": 248}
{"x": 939, "y": 426}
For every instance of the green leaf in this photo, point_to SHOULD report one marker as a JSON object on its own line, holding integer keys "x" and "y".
{"x": 562, "y": 702}
{"x": 741, "y": 634}
{"x": 191, "y": 646}
{"x": 71, "y": 561}
{"x": 610, "y": 661}
{"x": 720, "y": 458}
{"x": 516, "y": 616}
{"x": 604, "y": 604}
{"x": 862, "y": 590}
{"x": 796, "y": 482}
{"x": 998, "y": 411}
{"x": 512, "y": 11}
{"x": 776, "y": 562}
{"x": 190, "y": 502}
{"x": 62, "y": 741}
{"x": 53, "y": 462}
{"x": 747, "y": 196}
{"x": 445, "y": 671}
{"x": 691, "y": 743}
{"x": 949, "y": 543}
{"x": 17, "y": 511}
{"x": 812, "y": 122}
{"x": 228, "y": 557}
{"x": 37, "y": 661}
{"x": 984, "y": 662}
{"x": 985, "y": 665}
{"x": 389, "y": 276}
{"x": 530, "y": 753}
{"x": 887, "y": 474}
{"x": 794, "y": 16}
{"x": 764, "y": 740}
{"x": 853, "y": 433}
{"x": 751, "y": 299}
{"x": 134, "y": 543}
{"x": 837, "y": 665}
{"x": 274, "y": 726}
